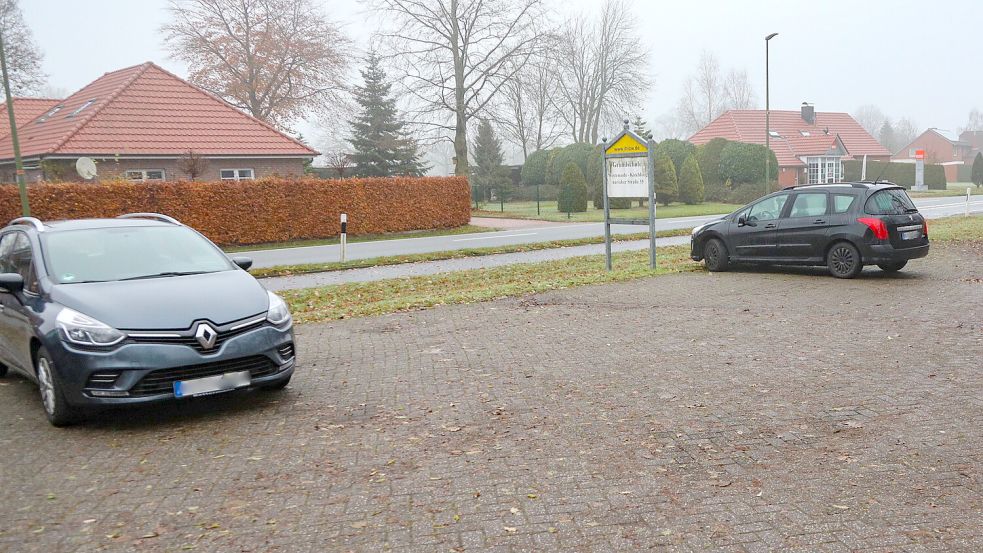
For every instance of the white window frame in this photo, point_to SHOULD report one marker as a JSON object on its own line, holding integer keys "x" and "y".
{"x": 237, "y": 176}
{"x": 824, "y": 169}
{"x": 143, "y": 175}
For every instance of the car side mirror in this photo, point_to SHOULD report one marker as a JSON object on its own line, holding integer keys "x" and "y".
{"x": 244, "y": 263}
{"x": 741, "y": 221}
{"x": 11, "y": 282}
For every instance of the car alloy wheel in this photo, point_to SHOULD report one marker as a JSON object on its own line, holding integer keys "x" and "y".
{"x": 46, "y": 385}
{"x": 716, "y": 255}
{"x": 844, "y": 261}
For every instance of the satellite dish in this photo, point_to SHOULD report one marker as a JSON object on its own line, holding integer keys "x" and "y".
{"x": 86, "y": 168}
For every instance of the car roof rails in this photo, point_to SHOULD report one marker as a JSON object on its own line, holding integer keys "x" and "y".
{"x": 153, "y": 216}
{"x": 33, "y": 221}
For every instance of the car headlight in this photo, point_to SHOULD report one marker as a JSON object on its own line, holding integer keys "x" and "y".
{"x": 278, "y": 314}
{"x": 83, "y": 330}
{"x": 696, "y": 230}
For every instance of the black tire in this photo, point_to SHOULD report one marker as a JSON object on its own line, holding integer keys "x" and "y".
{"x": 892, "y": 267}
{"x": 843, "y": 260}
{"x": 277, "y": 385}
{"x": 715, "y": 255}
{"x": 56, "y": 408}
{"x": 3, "y": 370}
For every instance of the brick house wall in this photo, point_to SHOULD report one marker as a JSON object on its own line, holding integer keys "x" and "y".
{"x": 63, "y": 170}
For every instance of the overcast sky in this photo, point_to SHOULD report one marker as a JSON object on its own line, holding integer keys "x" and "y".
{"x": 913, "y": 59}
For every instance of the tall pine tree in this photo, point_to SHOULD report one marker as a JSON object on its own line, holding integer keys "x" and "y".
{"x": 380, "y": 143}
{"x": 487, "y": 171}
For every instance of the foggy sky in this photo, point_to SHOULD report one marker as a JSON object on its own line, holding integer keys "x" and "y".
{"x": 911, "y": 59}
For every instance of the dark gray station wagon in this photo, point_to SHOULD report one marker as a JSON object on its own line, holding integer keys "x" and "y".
{"x": 137, "y": 309}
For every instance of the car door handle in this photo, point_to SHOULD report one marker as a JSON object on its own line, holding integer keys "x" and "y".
{"x": 819, "y": 221}
{"x": 771, "y": 225}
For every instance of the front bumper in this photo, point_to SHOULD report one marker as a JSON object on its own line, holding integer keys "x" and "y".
{"x": 135, "y": 361}
{"x": 873, "y": 254}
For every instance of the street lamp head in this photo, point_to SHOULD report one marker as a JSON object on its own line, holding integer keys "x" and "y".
{"x": 771, "y": 36}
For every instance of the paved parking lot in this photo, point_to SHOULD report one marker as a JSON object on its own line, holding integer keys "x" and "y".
{"x": 746, "y": 411}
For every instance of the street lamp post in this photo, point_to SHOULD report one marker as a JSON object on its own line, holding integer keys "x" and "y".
{"x": 767, "y": 119}
{"x": 25, "y": 206}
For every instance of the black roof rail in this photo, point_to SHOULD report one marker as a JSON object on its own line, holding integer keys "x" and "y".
{"x": 33, "y": 221}
{"x": 154, "y": 216}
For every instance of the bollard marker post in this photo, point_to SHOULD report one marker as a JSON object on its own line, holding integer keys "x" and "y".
{"x": 344, "y": 235}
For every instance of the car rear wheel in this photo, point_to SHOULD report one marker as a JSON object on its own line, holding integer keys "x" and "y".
{"x": 843, "y": 260}
{"x": 59, "y": 412}
{"x": 892, "y": 267}
{"x": 715, "y": 254}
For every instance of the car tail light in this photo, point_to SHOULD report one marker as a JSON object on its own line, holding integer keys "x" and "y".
{"x": 876, "y": 225}
{"x": 925, "y": 228}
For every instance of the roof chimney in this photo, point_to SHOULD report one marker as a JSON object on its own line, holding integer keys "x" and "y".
{"x": 808, "y": 113}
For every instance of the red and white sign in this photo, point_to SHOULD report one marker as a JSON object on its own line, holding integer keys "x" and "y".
{"x": 919, "y": 154}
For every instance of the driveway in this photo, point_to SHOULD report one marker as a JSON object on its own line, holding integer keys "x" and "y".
{"x": 742, "y": 411}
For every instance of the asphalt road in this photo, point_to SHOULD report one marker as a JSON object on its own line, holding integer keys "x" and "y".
{"x": 931, "y": 207}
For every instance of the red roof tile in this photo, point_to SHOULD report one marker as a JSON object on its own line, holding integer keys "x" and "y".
{"x": 145, "y": 110}
{"x": 25, "y": 109}
{"x": 797, "y": 138}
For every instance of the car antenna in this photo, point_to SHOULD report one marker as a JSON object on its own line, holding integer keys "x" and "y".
{"x": 881, "y": 174}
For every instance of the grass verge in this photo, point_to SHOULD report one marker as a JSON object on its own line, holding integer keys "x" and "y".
{"x": 952, "y": 189}
{"x": 956, "y": 229}
{"x": 288, "y": 270}
{"x": 361, "y": 299}
{"x": 527, "y": 210}
{"x": 466, "y": 229}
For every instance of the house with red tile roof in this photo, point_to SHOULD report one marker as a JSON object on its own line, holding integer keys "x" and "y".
{"x": 954, "y": 153}
{"x": 138, "y": 123}
{"x": 810, "y": 146}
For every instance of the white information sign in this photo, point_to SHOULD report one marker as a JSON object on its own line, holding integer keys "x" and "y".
{"x": 628, "y": 177}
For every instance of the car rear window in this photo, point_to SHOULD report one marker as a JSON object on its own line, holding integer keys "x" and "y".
{"x": 893, "y": 201}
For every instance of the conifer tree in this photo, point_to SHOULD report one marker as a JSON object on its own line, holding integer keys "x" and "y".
{"x": 381, "y": 147}
{"x": 666, "y": 187}
{"x": 691, "y": 181}
{"x": 487, "y": 171}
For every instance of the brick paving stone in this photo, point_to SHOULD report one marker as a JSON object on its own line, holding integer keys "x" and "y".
{"x": 755, "y": 410}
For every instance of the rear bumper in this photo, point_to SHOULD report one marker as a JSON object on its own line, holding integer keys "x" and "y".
{"x": 136, "y": 361}
{"x": 886, "y": 253}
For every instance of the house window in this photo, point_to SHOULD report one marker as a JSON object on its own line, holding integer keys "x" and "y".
{"x": 82, "y": 107}
{"x": 50, "y": 114}
{"x": 237, "y": 174}
{"x": 141, "y": 175}
{"x": 824, "y": 169}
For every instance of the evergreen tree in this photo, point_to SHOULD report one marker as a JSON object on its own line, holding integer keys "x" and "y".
{"x": 978, "y": 170}
{"x": 487, "y": 171}
{"x": 381, "y": 147}
{"x": 573, "y": 190}
{"x": 666, "y": 187}
{"x": 641, "y": 128}
{"x": 888, "y": 138}
{"x": 691, "y": 181}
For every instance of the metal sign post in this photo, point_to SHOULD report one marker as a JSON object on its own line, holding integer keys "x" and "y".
{"x": 629, "y": 172}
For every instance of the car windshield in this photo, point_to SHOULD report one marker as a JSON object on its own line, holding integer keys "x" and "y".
{"x": 893, "y": 201}
{"x": 122, "y": 253}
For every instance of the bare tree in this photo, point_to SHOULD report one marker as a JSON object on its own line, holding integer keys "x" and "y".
{"x": 905, "y": 131}
{"x": 23, "y": 54}
{"x": 603, "y": 67}
{"x": 339, "y": 162}
{"x": 458, "y": 54}
{"x": 738, "y": 92}
{"x": 975, "y": 121}
{"x": 870, "y": 118}
{"x": 275, "y": 59}
{"x": 527, "y": 108}
{"x": 191, "y": 163}
{"x": 704, "y": 96}
{"x": 669, "y": 126}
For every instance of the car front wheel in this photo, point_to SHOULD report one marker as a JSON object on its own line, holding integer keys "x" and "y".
{"x": 843, "y": 260}
{"x": 715, "y": 254}
{"x": 892, "y": 267}
{"x": 59, "y": 412}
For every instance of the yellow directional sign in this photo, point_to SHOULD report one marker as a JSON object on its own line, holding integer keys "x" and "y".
{"x": 627, "y": 144}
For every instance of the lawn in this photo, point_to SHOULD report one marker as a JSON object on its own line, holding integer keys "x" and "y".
{"x": 466, "y": 229}
{"x": 287, "y": 270}
{"x": 952, "y": 189}
{"x": 548, "y": 211}
{"x": 401, "y": 294}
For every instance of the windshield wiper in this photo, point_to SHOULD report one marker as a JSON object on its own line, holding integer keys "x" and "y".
{"x": 168, "y": 274}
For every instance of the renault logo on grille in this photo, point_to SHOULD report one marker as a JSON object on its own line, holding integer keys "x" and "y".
{"x": 206, "y": 335}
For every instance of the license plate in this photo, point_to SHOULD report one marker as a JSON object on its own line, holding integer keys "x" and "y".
{"x": 911, "y": 235}
{"x": 211, "y": 384}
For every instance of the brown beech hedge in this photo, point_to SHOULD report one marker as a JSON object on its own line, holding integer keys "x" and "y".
{"x": 266, "y": 210}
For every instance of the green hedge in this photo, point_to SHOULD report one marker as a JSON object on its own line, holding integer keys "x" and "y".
{"x": 901, "y": 174}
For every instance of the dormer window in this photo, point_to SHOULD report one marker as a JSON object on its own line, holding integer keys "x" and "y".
{"x": 82, "y": 107}
{"x": 51, "y": 113}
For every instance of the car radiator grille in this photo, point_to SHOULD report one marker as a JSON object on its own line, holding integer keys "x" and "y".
{"x": 191, "y": 341}
{"x": 162, "y": 381}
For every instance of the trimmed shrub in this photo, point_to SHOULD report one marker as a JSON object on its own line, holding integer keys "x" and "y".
{"x": 977, "y": 174}
{"x": 678, "y": 150}
{"x": 744, "y": 193}
{"x": 744, "y": 163}
{"x": 574, "y": 153}
{"x": 597, "y": 198}
{"x": 265, "y": 210}
{"x": 573, "y": 191}
{"x": 708, "y": 156}
{"x": 534, "y": 169}
{"x": 666, "y": 186}
{"x": 691, "y": 182}
{"x": 901, "y": 174}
